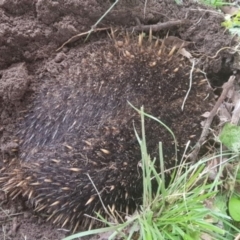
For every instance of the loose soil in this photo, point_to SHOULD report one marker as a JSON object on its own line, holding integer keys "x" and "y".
{"x": 30, "y": 33}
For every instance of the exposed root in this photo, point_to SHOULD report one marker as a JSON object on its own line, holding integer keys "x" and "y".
{"x": 216, "y": 54}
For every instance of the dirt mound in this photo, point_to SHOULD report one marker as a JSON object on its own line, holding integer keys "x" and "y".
{"x": 34, "y": 75}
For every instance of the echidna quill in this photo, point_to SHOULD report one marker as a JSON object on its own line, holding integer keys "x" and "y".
{"x": 79, "y": 129}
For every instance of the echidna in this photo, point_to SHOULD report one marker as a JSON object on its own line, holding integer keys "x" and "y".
{"x": 79, "y": 128}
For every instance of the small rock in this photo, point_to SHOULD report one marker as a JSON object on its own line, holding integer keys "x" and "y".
{"x": 60, "y": 57}
{"x": 26, "y": 214}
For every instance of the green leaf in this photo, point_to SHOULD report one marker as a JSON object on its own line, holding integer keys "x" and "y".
{"x": 234, "y": 207}
{"x": 232, "y": 21}
{"x": 220, "y": 202}
{"x": 230, "y": 137}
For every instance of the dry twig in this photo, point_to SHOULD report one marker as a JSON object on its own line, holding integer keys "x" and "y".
{"x": 226, "y": 87}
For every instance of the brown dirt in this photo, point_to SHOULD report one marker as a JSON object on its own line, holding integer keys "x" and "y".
{"x": 30, "y": 33}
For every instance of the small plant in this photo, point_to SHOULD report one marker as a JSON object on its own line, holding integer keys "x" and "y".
{"x": 232, "y": 21}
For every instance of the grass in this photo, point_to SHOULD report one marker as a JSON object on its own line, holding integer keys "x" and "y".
{"x": 178, "y": 210}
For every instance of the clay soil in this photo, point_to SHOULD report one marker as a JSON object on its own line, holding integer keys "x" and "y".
{"x": 30, "y": 33}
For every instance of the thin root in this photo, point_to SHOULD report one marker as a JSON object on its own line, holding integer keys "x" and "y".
{"x": 76, "y": 37}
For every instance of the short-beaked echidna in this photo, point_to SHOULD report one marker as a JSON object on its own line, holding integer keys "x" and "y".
{"x": 79, "y": 126}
